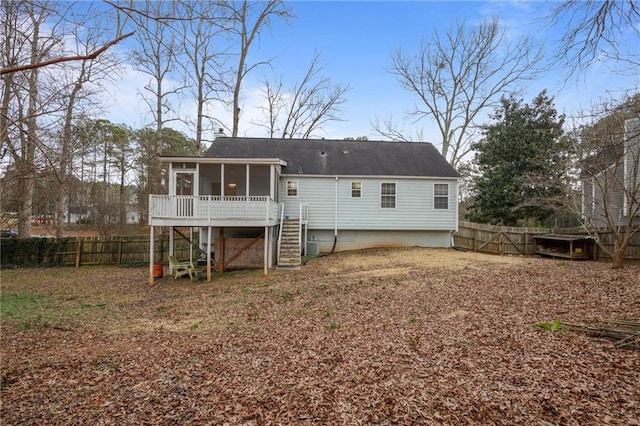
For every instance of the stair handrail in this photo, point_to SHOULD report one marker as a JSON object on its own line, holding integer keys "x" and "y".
{"x": 300, "y": 229}
{"x": 280, "y": 231}
{"x": 305, "y": 214}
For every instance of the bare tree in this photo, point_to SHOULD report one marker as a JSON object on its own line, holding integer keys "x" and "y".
{"x": 307, "y": 107}
{"x": 272, "y": 93}
{"x": 158, "y": 48}
{"x": 205, "y": 58}
{"x": 80, "y": 83}
{"x": 597, "y": 30}
{"x": 605, "y": 193}
{"x": 25, "y": 41}
{"x": 388, "y": 128}
{"x": 457, "y": 75}
{"x": 250, "y": 18}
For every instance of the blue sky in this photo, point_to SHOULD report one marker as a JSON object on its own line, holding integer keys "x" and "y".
{"x": 356, "y": 40}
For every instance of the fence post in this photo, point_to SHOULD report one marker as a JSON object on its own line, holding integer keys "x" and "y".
{"x": 474, "y": 239}
{"x": 119, "y": 251}
{"x": 78, "y": 251}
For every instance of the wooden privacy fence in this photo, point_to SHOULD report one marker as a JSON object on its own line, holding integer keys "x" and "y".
{"x": 511, "y": 240}
{"x": 83, "y": 251}
{"x": 497, "y": 239}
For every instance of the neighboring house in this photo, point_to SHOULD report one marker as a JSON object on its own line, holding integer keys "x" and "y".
{"x": 132, "y": 214}
{"x": 611, "y": 181}
{"x": 78, "y": 214}
{"x": 83, "y": 214}
{"x": 310, "y": 196}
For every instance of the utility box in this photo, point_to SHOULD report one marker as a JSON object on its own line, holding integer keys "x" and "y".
{"x": 313, "y": 248}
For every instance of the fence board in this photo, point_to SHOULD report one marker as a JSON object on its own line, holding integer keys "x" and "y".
{"x": 510, "y": 240}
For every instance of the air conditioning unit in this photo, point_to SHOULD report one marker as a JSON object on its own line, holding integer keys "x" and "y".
{"x": 313, "y": 248}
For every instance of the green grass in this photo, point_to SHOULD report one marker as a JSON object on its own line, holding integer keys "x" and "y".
{"x": 333, "y": 326}
{"x": 287, "y": 296}
{"x": 21, "y": 304}
{"x": 29, "y": 309}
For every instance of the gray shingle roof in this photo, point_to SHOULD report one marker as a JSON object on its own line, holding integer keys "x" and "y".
{"x": 340, "y": 157}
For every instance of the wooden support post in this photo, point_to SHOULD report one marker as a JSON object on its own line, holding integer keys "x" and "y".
{"x": 221, "y": 250}
{"x": 571, "y": 249}
{"x": 119, "y": 251}
{"x": 270, "y": 247}
{"x": 209, "y": 254}
{"x": 151, "y": 253}
{"x": 266, "y": 251}
{"x": 171, "y": 249}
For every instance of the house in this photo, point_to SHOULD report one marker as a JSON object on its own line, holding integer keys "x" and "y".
{"x": 292, "y": 197}
{"x": 611, "y": 181}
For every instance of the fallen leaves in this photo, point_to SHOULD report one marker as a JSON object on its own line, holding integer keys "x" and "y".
{"x": 419, "y": 343}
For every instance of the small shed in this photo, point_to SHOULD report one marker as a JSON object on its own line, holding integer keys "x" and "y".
{"x": 573, "y": 247}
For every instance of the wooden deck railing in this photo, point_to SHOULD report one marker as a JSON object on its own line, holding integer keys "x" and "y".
{"x": 213, "y": 207}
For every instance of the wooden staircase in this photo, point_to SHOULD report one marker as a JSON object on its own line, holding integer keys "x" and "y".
{"x": 290, "y": 251}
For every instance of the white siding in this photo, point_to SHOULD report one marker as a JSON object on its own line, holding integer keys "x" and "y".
{"x": 631, "y": 164}
{"x": 414, "y": 204}
{"x": 318, "y": 193}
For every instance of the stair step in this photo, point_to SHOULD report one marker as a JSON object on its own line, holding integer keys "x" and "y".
{"x": 290, "y": 251}
{"x": 289, "y": 262}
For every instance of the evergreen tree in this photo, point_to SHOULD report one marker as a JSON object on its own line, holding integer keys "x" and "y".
{"x": 520, "y": 160}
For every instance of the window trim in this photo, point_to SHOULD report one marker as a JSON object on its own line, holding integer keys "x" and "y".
{"x": 359, "y": 197}
{"x": 436, "y": 196}
{"x": 297, "y": 188}
{"x": 395, "y": 196}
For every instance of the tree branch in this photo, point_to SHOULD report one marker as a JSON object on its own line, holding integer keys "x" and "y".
{"x": 89, "y": 56}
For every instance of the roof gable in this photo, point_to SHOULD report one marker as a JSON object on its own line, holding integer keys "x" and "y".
{"x": 340, "y": 157}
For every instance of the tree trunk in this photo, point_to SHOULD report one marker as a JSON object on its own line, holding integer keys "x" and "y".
{"x": 620, "y": 243}
{"x": 26, "y": 175}
{"x": 65, "y": 159}
{"x": 26, "y": 181}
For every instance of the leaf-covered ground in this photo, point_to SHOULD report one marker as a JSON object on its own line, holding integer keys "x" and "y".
{"x": 394, "y": 336}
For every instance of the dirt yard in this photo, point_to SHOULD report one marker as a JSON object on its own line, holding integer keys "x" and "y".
{"x": 393, "y": 336}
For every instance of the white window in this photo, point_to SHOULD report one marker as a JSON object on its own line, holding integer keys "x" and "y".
{"x": 441, "y": 196}
{"x": 356, "y": 189}
{"x": 388, "y": 195}
{"x": 292, "y": 188}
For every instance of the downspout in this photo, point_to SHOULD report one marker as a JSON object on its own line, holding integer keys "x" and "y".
{"x": 457, "y": 225}
{"x": 335, "y": 218}
{"x": 335, "y": 224}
